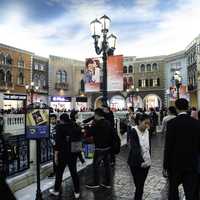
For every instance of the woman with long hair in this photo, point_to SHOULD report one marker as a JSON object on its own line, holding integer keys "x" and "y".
{"x": 139, "y": 158}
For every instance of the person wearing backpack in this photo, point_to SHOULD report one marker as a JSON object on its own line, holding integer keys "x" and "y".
{"x": 139, "y": 158}
{"x": 64, "y": 155}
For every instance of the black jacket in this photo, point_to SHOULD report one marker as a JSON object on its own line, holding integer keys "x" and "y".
{"x": 65, "y": 134}
{"x": 135, "y": 158}
{"x": 110, "y": 117}
{"x": 3, "y": 156}
{"x": 182, "y": 145}
{"x": 102, "y": 132}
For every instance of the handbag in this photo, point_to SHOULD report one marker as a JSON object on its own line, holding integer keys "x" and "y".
{"x": 76, "y": 147}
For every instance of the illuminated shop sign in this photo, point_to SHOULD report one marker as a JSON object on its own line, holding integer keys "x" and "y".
{"x": 60, "y": 99}
{"x": 14, "y": 97}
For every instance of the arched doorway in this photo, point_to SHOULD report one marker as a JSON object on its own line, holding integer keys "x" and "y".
{"x": 117, "y": 103}
{"x": 152, "y": 101}
{"x": 135, "y": 101}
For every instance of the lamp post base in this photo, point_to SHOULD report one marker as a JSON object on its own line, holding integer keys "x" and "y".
{"x": 38, "y": 195}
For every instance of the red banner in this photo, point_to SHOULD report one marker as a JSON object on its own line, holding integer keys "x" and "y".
{"x": 115, "y": 73}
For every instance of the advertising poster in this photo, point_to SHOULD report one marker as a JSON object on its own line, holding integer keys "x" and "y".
{"x": 172, "y": 93}
{"x": 115, "y": 73}
{"x": 92, "y": 75}
{"x": 37, "y": 123}
{"x": 182, "y": 93}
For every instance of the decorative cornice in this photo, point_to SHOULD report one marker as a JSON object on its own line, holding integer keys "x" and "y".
{"x": 15, "y": 49}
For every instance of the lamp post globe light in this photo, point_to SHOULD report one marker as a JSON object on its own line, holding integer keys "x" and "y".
{"x": 106, "y": 46}
{"x": 178, "y": 82}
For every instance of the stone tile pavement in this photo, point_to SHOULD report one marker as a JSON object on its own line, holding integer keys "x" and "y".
{"x": 123, "y": 187}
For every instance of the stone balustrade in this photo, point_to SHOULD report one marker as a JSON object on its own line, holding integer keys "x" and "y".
{"x": 14, "y": 123}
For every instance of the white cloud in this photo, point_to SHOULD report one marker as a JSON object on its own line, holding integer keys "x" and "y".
{"x": 69, "y": 36}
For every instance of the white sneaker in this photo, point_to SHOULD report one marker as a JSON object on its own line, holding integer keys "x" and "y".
{"x": 53, "y": 192}
{"x": 77, "y": 195}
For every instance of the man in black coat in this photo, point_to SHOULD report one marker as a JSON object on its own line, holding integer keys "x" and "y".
{"x": 182, "y": 148}
{"x": 102, "y": 132}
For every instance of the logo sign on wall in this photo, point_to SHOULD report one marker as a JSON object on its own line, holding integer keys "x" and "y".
{"x": 115, "y": 73}
{"x": 37, "y": 123}
{"x": 92, "y": 75}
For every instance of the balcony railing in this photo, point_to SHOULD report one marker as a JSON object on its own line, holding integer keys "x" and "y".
{"x": 63, "y": 86}
{"x": 14, "y": 123}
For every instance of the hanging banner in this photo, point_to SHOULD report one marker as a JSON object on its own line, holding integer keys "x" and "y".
{"x": 115, "y": 73}
{"x": 37, "y": 123}
{"x": 92, "y": 75}
{"x": 182, "y": 93}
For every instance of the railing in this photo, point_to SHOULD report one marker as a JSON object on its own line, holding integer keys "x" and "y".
{"x": 46, "y": 150}
{"x": 18, "y": 159}
{"x": 14, "y": 123}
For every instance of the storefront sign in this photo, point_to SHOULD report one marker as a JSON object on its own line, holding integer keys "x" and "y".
{"x": 92, "y": 75}
{"x": 60, "y": 99}
{"x": 14, "y": 97}
{"x": 37, "y": 123}
{"x": 115, "y": 73}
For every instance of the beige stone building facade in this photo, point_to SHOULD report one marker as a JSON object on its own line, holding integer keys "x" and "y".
{"x": 65, "y": 82}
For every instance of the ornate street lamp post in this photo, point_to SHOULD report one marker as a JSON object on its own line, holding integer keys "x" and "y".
{"x": 178, "y": 82}
{"x": 31, "y": 89}
{"x": 100, "y": 29}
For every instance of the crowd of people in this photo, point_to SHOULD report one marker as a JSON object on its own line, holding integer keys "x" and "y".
{"x": 181, "y": 164}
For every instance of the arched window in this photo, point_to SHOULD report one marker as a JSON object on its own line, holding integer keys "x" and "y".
{"x": 142, "y": 68}
{"x": 147, "y": 83}
{"x": 151, "y": 82}
{"x": 130, "y": 70}
{"x": 21, "y": 78}
{"x": 148, "y": 67}
{"x": 125, "y": 83}
{"x": 130, "y": 81}
{"x": 8, "y": 59}
{"x": 63, "y": 77}
{"x": 158, "y": 81}
{"x": 8, "y": 78}
{"x": 125, "y": 69}
{"x": 154, "y": 67}
{"x": 36, "y": 79}
{"x": 82, "y": 85}
{"x": 58, "y": 76}
{"x": 139, "y": 83}
{"x": 21, "y": 62}
{"x": 2, "y": 58}
{"x": 2, "y": 77}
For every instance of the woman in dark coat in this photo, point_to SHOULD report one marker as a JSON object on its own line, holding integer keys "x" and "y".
{"x": 139, "y": 158}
